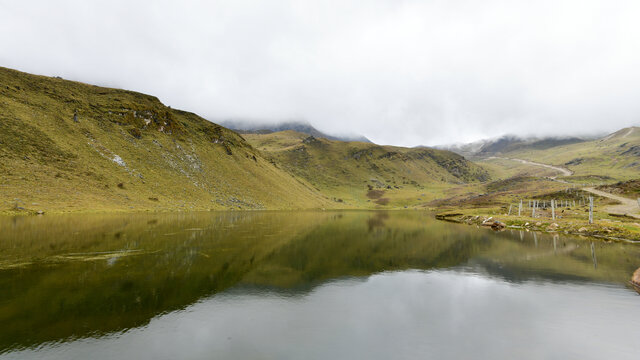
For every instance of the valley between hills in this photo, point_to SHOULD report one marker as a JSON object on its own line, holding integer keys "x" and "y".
{"x": 72, "y": 147}
{"x": 67, "y": 146}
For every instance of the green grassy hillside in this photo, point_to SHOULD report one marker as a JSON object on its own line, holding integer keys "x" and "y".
{"x": 365, "y": 174}
{"x": 614, "y": 157}
{"x": 68, "y": 146}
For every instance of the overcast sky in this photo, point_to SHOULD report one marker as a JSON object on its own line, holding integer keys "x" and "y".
{"x": 399, "y": 72}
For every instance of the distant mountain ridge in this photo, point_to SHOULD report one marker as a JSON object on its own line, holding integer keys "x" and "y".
{"x": 364, "y": 173}
{"x": 614, "y": 156}
{"x": 69, "y": 146}
{"x": 247, "y": 127}
{"x": 509, "y": 143}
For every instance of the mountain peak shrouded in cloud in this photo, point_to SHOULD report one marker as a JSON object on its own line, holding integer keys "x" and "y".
{"x": 508, "y": 143}
{"x": 262, "y": 127}
{"x": 401, "y": 72}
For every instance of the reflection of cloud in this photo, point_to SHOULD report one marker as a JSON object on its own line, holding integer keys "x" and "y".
{"x": 432, "y": 315}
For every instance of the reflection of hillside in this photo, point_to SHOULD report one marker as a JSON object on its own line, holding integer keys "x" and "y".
{"x": 183, "y": 258}
{"x": 557, "y": 258}
{"x": 350, "y": 246}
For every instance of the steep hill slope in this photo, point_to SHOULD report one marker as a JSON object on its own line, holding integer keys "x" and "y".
{"x": 68, "y": 146}
{"x": 613, "y": 157}
{"x": 358, "y": 173}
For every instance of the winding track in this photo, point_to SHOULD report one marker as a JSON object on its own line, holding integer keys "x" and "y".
{"x": 628, "y": 207}
{"x": 563, "y": 171}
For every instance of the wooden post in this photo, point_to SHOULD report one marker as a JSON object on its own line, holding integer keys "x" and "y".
{"x": 553, "y": 210}
{"x": 509, "y": 209}
{"x": 520, "y": 207}
{"x": 533, "y": 209}
{"x": 590, "y": 209}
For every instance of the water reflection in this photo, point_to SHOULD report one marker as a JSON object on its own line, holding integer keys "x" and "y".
{"x": 245, "y": 284}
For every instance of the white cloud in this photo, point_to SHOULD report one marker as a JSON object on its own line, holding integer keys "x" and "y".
{"x": 401, "y": 72}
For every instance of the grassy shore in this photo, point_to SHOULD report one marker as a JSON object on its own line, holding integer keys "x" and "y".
{"x": 499, "y": 210}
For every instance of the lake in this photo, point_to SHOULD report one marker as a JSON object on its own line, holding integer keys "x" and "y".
{"x": 309, "y": 285}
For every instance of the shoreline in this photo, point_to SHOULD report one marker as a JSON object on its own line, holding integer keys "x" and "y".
{"x": 608, "y": 232}
{"x": 29, "y": 213}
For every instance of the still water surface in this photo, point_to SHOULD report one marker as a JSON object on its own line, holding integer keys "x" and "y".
{"x": 308, "y": 285}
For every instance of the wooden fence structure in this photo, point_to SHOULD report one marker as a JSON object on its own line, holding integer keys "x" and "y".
{"x": 535, "y": 206}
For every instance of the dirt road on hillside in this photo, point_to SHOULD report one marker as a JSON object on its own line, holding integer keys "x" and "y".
{"x": 561, "y": 170}
{"x": 629, "y": 207}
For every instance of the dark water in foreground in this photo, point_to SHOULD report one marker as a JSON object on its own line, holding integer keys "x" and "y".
{"x": 308, "y": 285}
